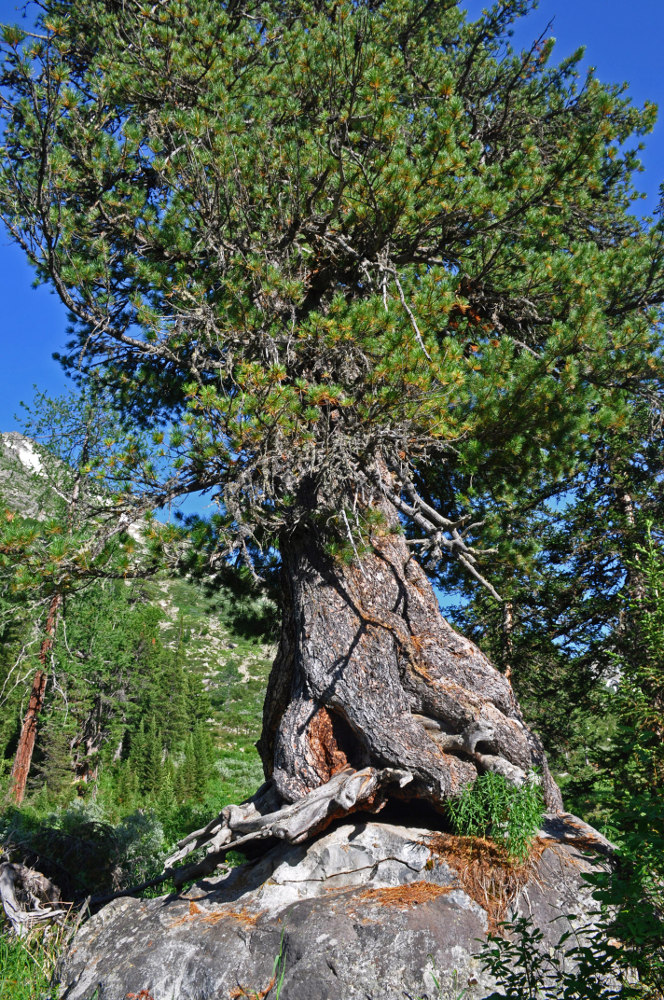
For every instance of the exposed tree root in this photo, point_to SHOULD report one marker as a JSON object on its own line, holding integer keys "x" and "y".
{"x": 263, "y": 818}
{"x": 372, "y": 695}
{"x": 27, "y": 897}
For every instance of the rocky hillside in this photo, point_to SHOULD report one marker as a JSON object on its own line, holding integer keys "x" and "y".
{"x": 20, "y": 467}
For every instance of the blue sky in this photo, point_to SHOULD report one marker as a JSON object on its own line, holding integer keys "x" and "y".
{"x": 623, "y": 42}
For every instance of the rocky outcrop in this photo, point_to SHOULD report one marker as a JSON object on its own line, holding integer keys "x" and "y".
{"x": 368, "y": 911}
{"x": 20, "y": 475}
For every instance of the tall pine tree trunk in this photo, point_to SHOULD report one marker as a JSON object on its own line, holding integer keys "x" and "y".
{"x": 26, "y": 742}
{"x": 369, "y": 674}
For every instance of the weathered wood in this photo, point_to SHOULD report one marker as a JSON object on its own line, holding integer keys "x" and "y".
{"x": 26, "y": 896}
{"x": 369, "y": 673}
{"x": 372, "y": 695}
{"x": 257, "y": 819}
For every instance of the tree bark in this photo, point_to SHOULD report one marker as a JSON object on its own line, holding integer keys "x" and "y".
{"x": 369, "y": 674}
{"x": 26, "y": 742}
{"x": 372, "y": 696}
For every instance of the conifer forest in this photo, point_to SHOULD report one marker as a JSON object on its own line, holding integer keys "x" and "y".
{"x": 369, "y": 289}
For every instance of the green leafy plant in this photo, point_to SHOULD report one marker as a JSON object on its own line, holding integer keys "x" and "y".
{"x": 493, "y": 808}
{"x": 585, "y": 965}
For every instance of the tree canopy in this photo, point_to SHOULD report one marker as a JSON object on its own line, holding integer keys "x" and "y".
{"x": 332, "y": 252}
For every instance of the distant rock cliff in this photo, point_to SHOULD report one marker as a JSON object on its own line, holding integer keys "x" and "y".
{"x": 20, "y": 466}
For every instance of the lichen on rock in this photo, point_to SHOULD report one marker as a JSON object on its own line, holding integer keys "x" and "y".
{"x": 366, "y": 910}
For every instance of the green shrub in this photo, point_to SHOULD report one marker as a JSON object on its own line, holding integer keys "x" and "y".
{"x": 81, "y": 851}
{"x": 491, "y": 807}
{"x": 583, "y": 966}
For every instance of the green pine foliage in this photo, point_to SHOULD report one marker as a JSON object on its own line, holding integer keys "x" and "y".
{"x": 324, "y": 251}
{"x": 325, "y": 240}
{"x": 155, "y": 693}
{"x": 152, "y": 710}
{"x": 570, "y": 600}
{"x": 12, "y": 631}
{"x": 634, "y": 769}
{"x": 622, "y": 954}
{"x": 53, "y": 770}
{"x": 132, "y": 752}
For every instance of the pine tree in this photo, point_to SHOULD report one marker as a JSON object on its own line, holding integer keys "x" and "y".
{"x": 356, "y": 266}
{"x": 146, "y": 756}
{"x": 138, "y": 751}
{"x": 166, "y": 801}
{"x": 198, "y": 760}
{"x": 572, "y": 597}
{"x": 43, "y": 561}
{"x": 54, "y": 771}
{"x": 126, "y": 787}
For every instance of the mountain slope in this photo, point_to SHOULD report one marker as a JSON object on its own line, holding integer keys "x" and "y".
{"x": 220, "y": 638}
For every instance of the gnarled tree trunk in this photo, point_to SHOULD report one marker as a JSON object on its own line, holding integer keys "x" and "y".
{"x": 369, "y": 673}
{"x": 372, "y": 695}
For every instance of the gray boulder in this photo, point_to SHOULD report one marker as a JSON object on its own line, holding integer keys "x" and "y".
{"x": 368, "y": 911}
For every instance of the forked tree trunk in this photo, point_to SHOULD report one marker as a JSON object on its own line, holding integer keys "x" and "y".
{"x": 372, "y": 696}
{"x": 369, "y": 673}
